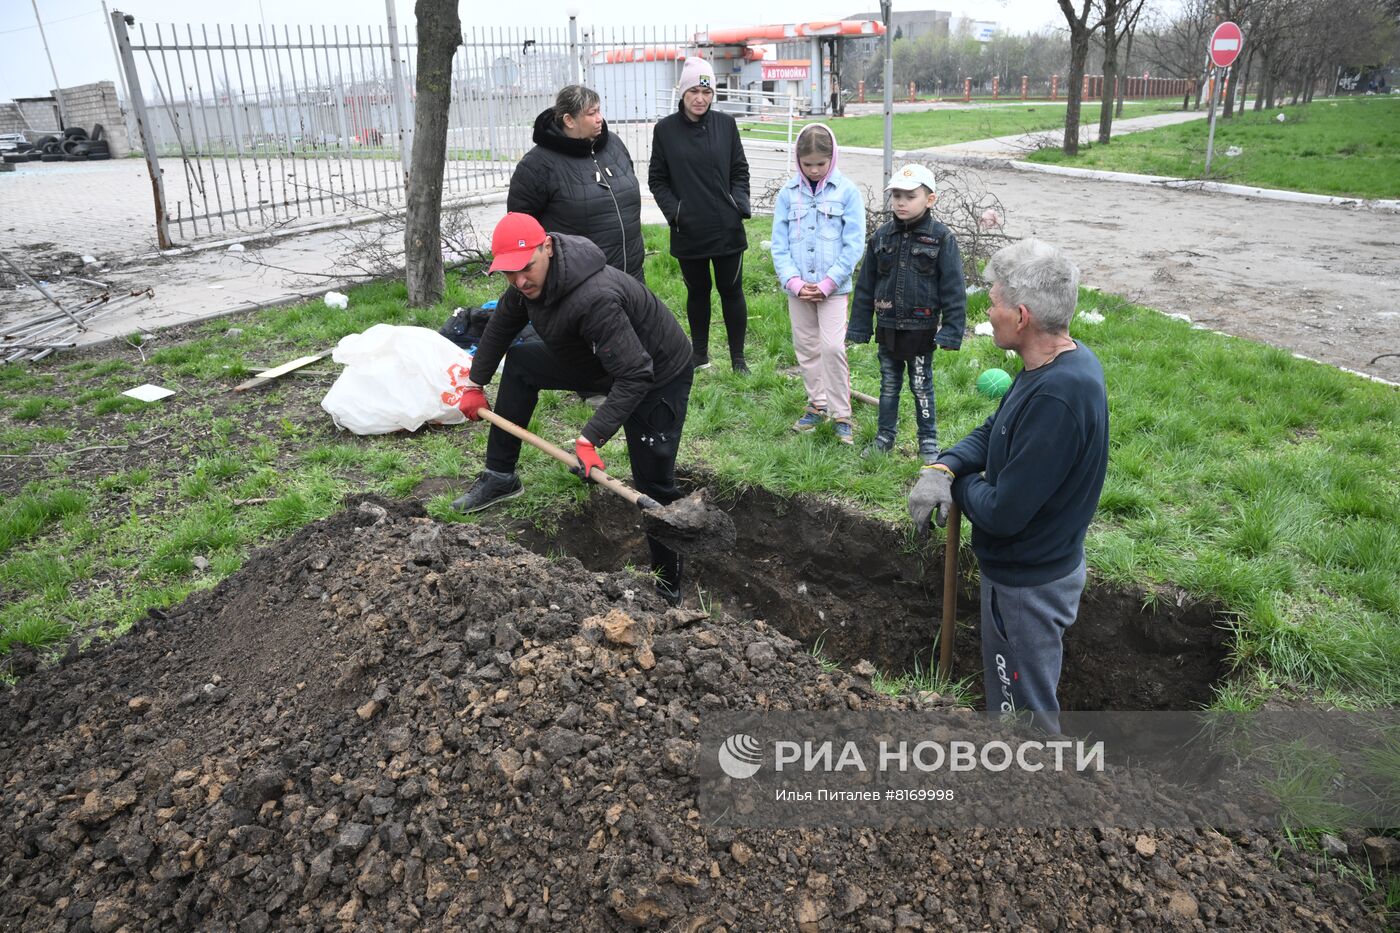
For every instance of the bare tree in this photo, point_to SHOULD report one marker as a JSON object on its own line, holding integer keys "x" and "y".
{"x": 439, "y": 34}
{"x": 1119, "y": 17}
{"x": 1177, "y": 47}
{"x": 1129, "y": 31}
{"x": 1082, "y": 27}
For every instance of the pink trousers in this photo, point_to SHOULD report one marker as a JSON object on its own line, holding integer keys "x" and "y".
{"x": 819, "y": 338}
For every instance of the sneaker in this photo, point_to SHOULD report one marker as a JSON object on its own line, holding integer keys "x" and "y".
{"x": 929, "y": 455}
{"x": 845, "y": 433}
{"x": 878, "y": 447}
{"x": 699, "y": 361}
{"x": 809, "y": 420}
{"x": 488, "y": 489}
{"x": 740, "y": 366}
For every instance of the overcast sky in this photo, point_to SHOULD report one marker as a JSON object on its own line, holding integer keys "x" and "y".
{"x": 82, "y": 49}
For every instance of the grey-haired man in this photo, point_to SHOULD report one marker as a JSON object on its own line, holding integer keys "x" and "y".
{"x": 1028, "y": 480}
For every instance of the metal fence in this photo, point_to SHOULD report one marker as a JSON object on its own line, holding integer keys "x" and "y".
{"x": 250, "y": 128}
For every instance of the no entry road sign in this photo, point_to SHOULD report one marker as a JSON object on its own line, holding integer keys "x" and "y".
{"x": 1225, "y": 44}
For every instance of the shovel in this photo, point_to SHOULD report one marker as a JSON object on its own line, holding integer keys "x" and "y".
{"x": 950, "y": 593}
{"x": 689, "y": 524}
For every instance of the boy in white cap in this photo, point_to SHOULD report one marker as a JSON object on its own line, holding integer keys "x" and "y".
{"x": 910, "y": 295}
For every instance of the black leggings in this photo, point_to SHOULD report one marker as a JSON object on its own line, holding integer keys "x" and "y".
{"x": 729, "y": 280}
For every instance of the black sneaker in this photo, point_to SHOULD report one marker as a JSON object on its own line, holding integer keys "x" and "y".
{"x": 488, "y": 489}
{"x": 739, "y": 365}
{"x": 699, "y": 361}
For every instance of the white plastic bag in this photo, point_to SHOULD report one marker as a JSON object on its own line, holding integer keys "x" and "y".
{"x": 397, "y": 378}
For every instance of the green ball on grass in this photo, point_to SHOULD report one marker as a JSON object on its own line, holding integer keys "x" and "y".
{"x": 993, "y": 383}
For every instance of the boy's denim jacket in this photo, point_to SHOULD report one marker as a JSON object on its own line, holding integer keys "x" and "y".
{"x": 817, "y": 237}
{"x": 911, "y": 279}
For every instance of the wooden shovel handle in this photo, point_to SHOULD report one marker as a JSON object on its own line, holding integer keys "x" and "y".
{"x": 950, "y": 593}
{"x": 563, "y": 456}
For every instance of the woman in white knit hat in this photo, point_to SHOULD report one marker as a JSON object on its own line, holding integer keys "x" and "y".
{"x": 700, "y": 179}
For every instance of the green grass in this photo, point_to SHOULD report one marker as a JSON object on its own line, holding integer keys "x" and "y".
{"x": 1238, "y": 474}
{"x": 942, "y": 127}
{"x": 1347, "y": 148}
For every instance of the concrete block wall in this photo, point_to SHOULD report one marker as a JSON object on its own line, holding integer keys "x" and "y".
{"x": 39, "y": 114}
{"x": 10, "y": 121}
{"x": 89, "y": 104}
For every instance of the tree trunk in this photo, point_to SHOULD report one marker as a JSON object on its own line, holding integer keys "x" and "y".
{"x": 1079, "y": 34}
{"x": 1110, "y": 80}
{"x": 1244, "y": 79}
{"x": 1078, "y": 54}
{"x": 439, "y": 34}
{"x": 1227, "y": 110}
{"x": 1122, "y": 91}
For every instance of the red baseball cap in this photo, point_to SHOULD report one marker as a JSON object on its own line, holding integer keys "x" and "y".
{"x": 514, "y": 241}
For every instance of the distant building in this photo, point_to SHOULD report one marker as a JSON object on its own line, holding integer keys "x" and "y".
{"x": 907, "y": 24}
{"x": 914, "y": 24}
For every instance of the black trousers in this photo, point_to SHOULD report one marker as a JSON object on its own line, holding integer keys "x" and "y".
{"x": 653, "y": 430}
{"x": 729, "y": 281}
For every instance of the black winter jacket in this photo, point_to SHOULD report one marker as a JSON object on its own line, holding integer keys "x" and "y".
{"x": 585, "y": 187}
{"x": 911, "y": 279}
{"x": 602, "y": 325}
{"x": 700, "y": 180}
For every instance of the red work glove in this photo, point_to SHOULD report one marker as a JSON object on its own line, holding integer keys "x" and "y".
{"x": 472, "y": 402}
{"x": 588, "y": 459}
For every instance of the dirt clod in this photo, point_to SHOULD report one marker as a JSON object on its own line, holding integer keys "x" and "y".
{"x": 693, "y": 525}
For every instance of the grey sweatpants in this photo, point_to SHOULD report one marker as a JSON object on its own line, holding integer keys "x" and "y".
{"x": 1022, "y": 647}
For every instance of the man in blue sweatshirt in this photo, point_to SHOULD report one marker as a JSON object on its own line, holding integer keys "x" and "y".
{"x": 1028, "y": 480}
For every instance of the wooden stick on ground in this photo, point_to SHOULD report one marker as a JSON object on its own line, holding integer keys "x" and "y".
{"x": 950, "y": 593}
{"x": 271, "y": 375}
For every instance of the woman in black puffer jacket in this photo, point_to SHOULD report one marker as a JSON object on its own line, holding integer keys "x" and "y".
{"x": 579, "y": 179}
{"x": 700, "y": 179}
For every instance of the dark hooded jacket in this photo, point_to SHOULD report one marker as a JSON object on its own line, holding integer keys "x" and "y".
{"x": 585, "y": 187}
{"x": 700, "y": 179}
{"x": 604, "y": 327}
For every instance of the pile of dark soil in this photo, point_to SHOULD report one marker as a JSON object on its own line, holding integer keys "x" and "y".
{"x": 388, "y": 723}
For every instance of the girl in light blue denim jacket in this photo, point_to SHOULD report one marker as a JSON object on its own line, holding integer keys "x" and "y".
{"x": 818, "y": 237}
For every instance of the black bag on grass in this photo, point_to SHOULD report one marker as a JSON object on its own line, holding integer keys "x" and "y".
{"x": 466, "y": 325}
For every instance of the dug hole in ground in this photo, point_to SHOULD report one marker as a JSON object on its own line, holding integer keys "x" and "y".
{"x": 387, "y": 722}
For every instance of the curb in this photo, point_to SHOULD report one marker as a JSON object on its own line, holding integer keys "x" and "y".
{"x": 1247, "y": 191}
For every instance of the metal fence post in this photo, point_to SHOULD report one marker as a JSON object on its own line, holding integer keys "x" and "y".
{"x": 400, "y": 99}
{"x": 573, "y": 50}
{"x": 143, "y": 127}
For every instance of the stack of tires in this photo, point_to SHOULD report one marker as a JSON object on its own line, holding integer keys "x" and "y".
{"x": 74, "y": 145}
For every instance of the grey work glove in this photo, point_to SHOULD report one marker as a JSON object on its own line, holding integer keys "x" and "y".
{"x": 931, "y": 496}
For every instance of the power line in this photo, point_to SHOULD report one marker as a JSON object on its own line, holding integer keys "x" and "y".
{"x": 76, "y": 16}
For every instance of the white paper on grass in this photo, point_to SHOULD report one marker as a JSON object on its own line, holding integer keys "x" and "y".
{"x": 149, "y": 393}
{"x": 983, "y": 329}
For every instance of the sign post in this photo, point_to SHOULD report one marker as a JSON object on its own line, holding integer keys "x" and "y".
{"x": 1224, "y": 48}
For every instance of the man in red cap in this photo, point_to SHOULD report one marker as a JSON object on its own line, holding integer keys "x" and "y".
{"x": 601, "y": 333}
